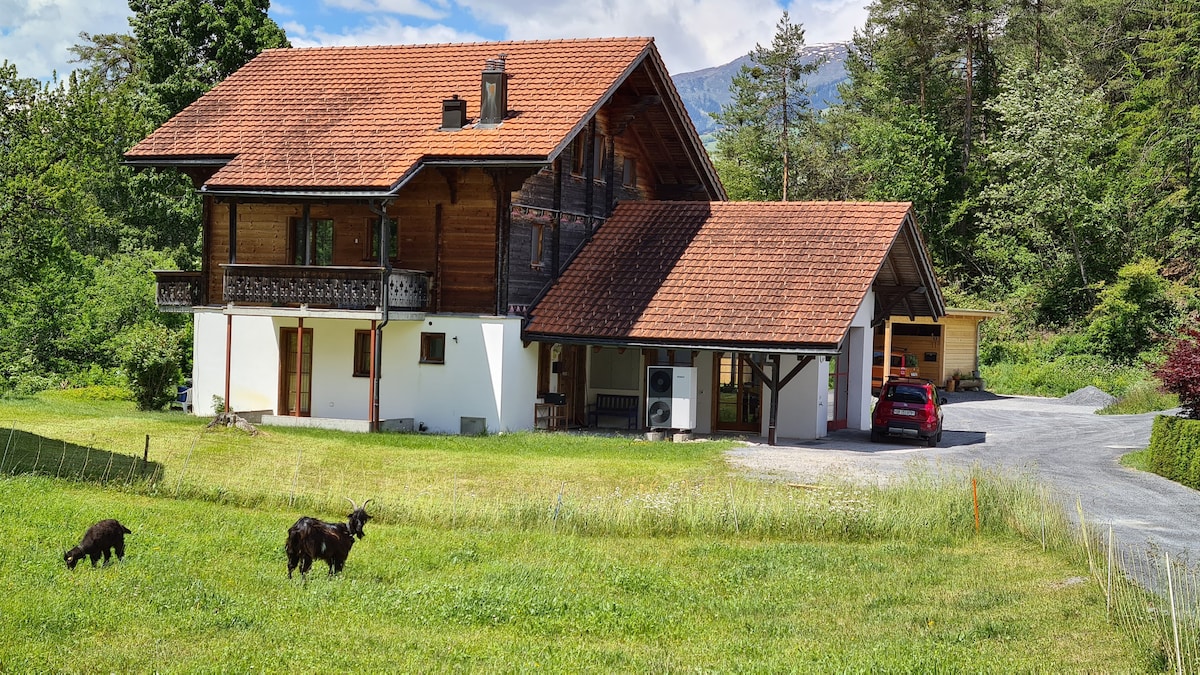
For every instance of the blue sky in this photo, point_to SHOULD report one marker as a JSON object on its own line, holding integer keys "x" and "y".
{"x": 35, "y": 35}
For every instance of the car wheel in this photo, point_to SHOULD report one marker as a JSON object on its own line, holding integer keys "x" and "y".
{"x": 932, "y": 441}
{"x": 876, "y": 436}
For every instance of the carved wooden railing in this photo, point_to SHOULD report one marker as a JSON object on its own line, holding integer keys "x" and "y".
{"x": 355, "y": 288}
{"x": 177, "y": 291}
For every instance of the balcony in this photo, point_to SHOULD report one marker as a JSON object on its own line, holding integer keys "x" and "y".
{"x": 341, "y": 288}
{"x": 177, "y": 291}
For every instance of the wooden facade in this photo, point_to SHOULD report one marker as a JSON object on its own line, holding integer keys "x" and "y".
{"x": 490, "y": 239}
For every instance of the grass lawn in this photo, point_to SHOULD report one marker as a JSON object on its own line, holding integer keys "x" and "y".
{"x": 516, "y": 553}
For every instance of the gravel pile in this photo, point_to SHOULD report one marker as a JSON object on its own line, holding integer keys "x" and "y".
{"x": 1089, "y": 396}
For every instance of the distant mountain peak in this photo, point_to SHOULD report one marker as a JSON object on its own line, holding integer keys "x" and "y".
{"x": 707, "y": 90}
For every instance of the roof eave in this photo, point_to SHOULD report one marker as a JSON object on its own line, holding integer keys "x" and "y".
{"x": 801, "y": 349}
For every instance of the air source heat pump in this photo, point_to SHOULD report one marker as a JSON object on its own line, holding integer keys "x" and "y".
{"x": 671, "y": 397}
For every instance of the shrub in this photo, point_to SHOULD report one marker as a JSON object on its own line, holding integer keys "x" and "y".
{"x": 1180, "y": 372}
{"x": 150, "y": 354}
{"x": 1132, "y": 313}
{"x": 1175, "y": 450}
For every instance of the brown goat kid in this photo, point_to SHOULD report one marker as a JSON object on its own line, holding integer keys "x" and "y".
{"x": 310, "y": 539}
{"x": 99, "y": 539}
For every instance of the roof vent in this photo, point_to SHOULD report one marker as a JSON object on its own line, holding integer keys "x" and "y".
{"x": 454, "y": 113}
{"x": 493, "y": 103}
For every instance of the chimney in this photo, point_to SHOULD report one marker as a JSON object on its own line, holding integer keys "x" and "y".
{"x": 454, "y": 113}
{"x": 493, "y": 103}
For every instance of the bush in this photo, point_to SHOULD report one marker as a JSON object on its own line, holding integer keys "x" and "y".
{"x": 150, "y": 354}
{"x": 1180, "y": 371}
{"x": 1175, "y": 450}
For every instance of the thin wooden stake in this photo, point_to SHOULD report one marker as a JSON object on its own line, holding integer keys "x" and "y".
{"x": 975, "y": 498}
{"x": 454, "y": 502}
{"x": 38, "y": 459}
{"x": 1042, "y": 502}
{"x": 61, "y": 460}
{"x": 87, "y": 457}
{"x": 146, "y": 451}
{"x": 1174, "y": 618}
{"x": 108, "y": 467}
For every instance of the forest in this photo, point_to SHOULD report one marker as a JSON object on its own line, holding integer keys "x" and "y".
{"x": 1049, "y": 148}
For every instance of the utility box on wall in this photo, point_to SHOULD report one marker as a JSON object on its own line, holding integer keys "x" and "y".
{"x": 671, "y": 393}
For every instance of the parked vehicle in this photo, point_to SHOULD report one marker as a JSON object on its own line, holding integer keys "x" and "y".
{"x": 908, "y": 407}
{"x": 903, "y": 364}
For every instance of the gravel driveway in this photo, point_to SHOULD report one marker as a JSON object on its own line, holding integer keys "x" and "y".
{"x": 1063, "y": 445}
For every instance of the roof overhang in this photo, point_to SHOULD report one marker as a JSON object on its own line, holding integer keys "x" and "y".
{"x": 721, "y": 346}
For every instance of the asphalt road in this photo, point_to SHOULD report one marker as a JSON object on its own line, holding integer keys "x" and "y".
{"x": 1066, "y": 447}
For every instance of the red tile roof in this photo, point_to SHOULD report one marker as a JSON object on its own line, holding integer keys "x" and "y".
{"x": 722, "y": 273}
{"x": 362, "y": 117}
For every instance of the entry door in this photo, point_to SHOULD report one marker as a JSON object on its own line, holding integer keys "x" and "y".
{"x": 739, "y": 393}
{"x": 839, "y": 391}
{"x": 290, "y": 380}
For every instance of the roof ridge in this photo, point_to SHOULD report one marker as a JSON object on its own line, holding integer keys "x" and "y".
{"x": 478, "y": 43}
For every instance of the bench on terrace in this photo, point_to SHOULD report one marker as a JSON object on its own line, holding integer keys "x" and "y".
{"x": 614, "y": 405}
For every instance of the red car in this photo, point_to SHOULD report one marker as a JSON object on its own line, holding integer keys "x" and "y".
{"x": 910, "y": 408}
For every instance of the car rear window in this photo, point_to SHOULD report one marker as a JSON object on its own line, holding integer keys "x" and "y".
{"x": 907, "y": 393}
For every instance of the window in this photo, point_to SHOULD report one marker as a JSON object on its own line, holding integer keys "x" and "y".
{"x": 579, "y": 155}
{"x": 629, "y": 173}
{"x": 319, "y": 242}
{"x": 362, "y": 353}
{"x": 433, "y": 347}
{"x": 536, "y": 249}
{"x": 371, "y": 250}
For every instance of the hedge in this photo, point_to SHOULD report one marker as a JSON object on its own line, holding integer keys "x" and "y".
{"x": 1175, "y": 449}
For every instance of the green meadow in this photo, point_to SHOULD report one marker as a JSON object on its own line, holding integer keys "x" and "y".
{"x": 519, "y": 552}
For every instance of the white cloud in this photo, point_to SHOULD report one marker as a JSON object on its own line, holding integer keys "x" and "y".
{"x": 402, "y": 7}
{"x": 37, "y": 35}
{"x": 690, "y": 34}
{"x": 378, "y": 32}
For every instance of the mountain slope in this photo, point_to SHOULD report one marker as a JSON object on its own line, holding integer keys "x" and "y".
{"x": 705, "y": 91}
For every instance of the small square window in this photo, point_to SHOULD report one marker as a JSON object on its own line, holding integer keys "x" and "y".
{"x": 433, "y": 347}
{"x": 362, "y": 353}
{"x": 629, "y": 173}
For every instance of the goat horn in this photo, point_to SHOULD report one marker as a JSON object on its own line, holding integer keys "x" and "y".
{"x": 365, "y": 504}
{"x": 351, "y": 502}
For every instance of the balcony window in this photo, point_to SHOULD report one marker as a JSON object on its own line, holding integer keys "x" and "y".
{"x": 319, "y": 242}
{"x": 372, "y": 234}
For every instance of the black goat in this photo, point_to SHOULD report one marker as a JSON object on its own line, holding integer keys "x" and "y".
{"x": 310, "y": 539}
{"x": 97, "y": 541}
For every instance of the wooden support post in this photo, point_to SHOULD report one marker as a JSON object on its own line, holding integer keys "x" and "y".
{"x": 299, "y": 365}
{"x": 228, "y": 356}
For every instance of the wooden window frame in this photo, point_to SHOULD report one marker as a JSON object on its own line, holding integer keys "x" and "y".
{"x": 430, "y": 348}
{"x": 363, "y": 341}
{"x": 296, "y": 253}
{"x": 629, "y": 172}
{"x": 537, "y": 236}
{"x": 371, "y": 240}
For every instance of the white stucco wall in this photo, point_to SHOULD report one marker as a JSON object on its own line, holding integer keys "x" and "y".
{"x": 254, "y": 362}
{"x": 803, "y": 404}
{"x": 858, "y": 342}
{"x": 487, "y": 373}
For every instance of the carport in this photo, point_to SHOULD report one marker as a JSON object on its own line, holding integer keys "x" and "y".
{"x": 786, "y": 292}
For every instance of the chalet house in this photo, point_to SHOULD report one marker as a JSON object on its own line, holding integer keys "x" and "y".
{"x": 490, "y": 236}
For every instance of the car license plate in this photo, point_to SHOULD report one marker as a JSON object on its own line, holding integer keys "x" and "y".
{"x": 906, "y": 413}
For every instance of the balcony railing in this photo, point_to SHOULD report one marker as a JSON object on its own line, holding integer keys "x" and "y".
{"x": 177, "y": 291}
{"x": 352, "y": 288}
{"x": 355, "y": 288}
